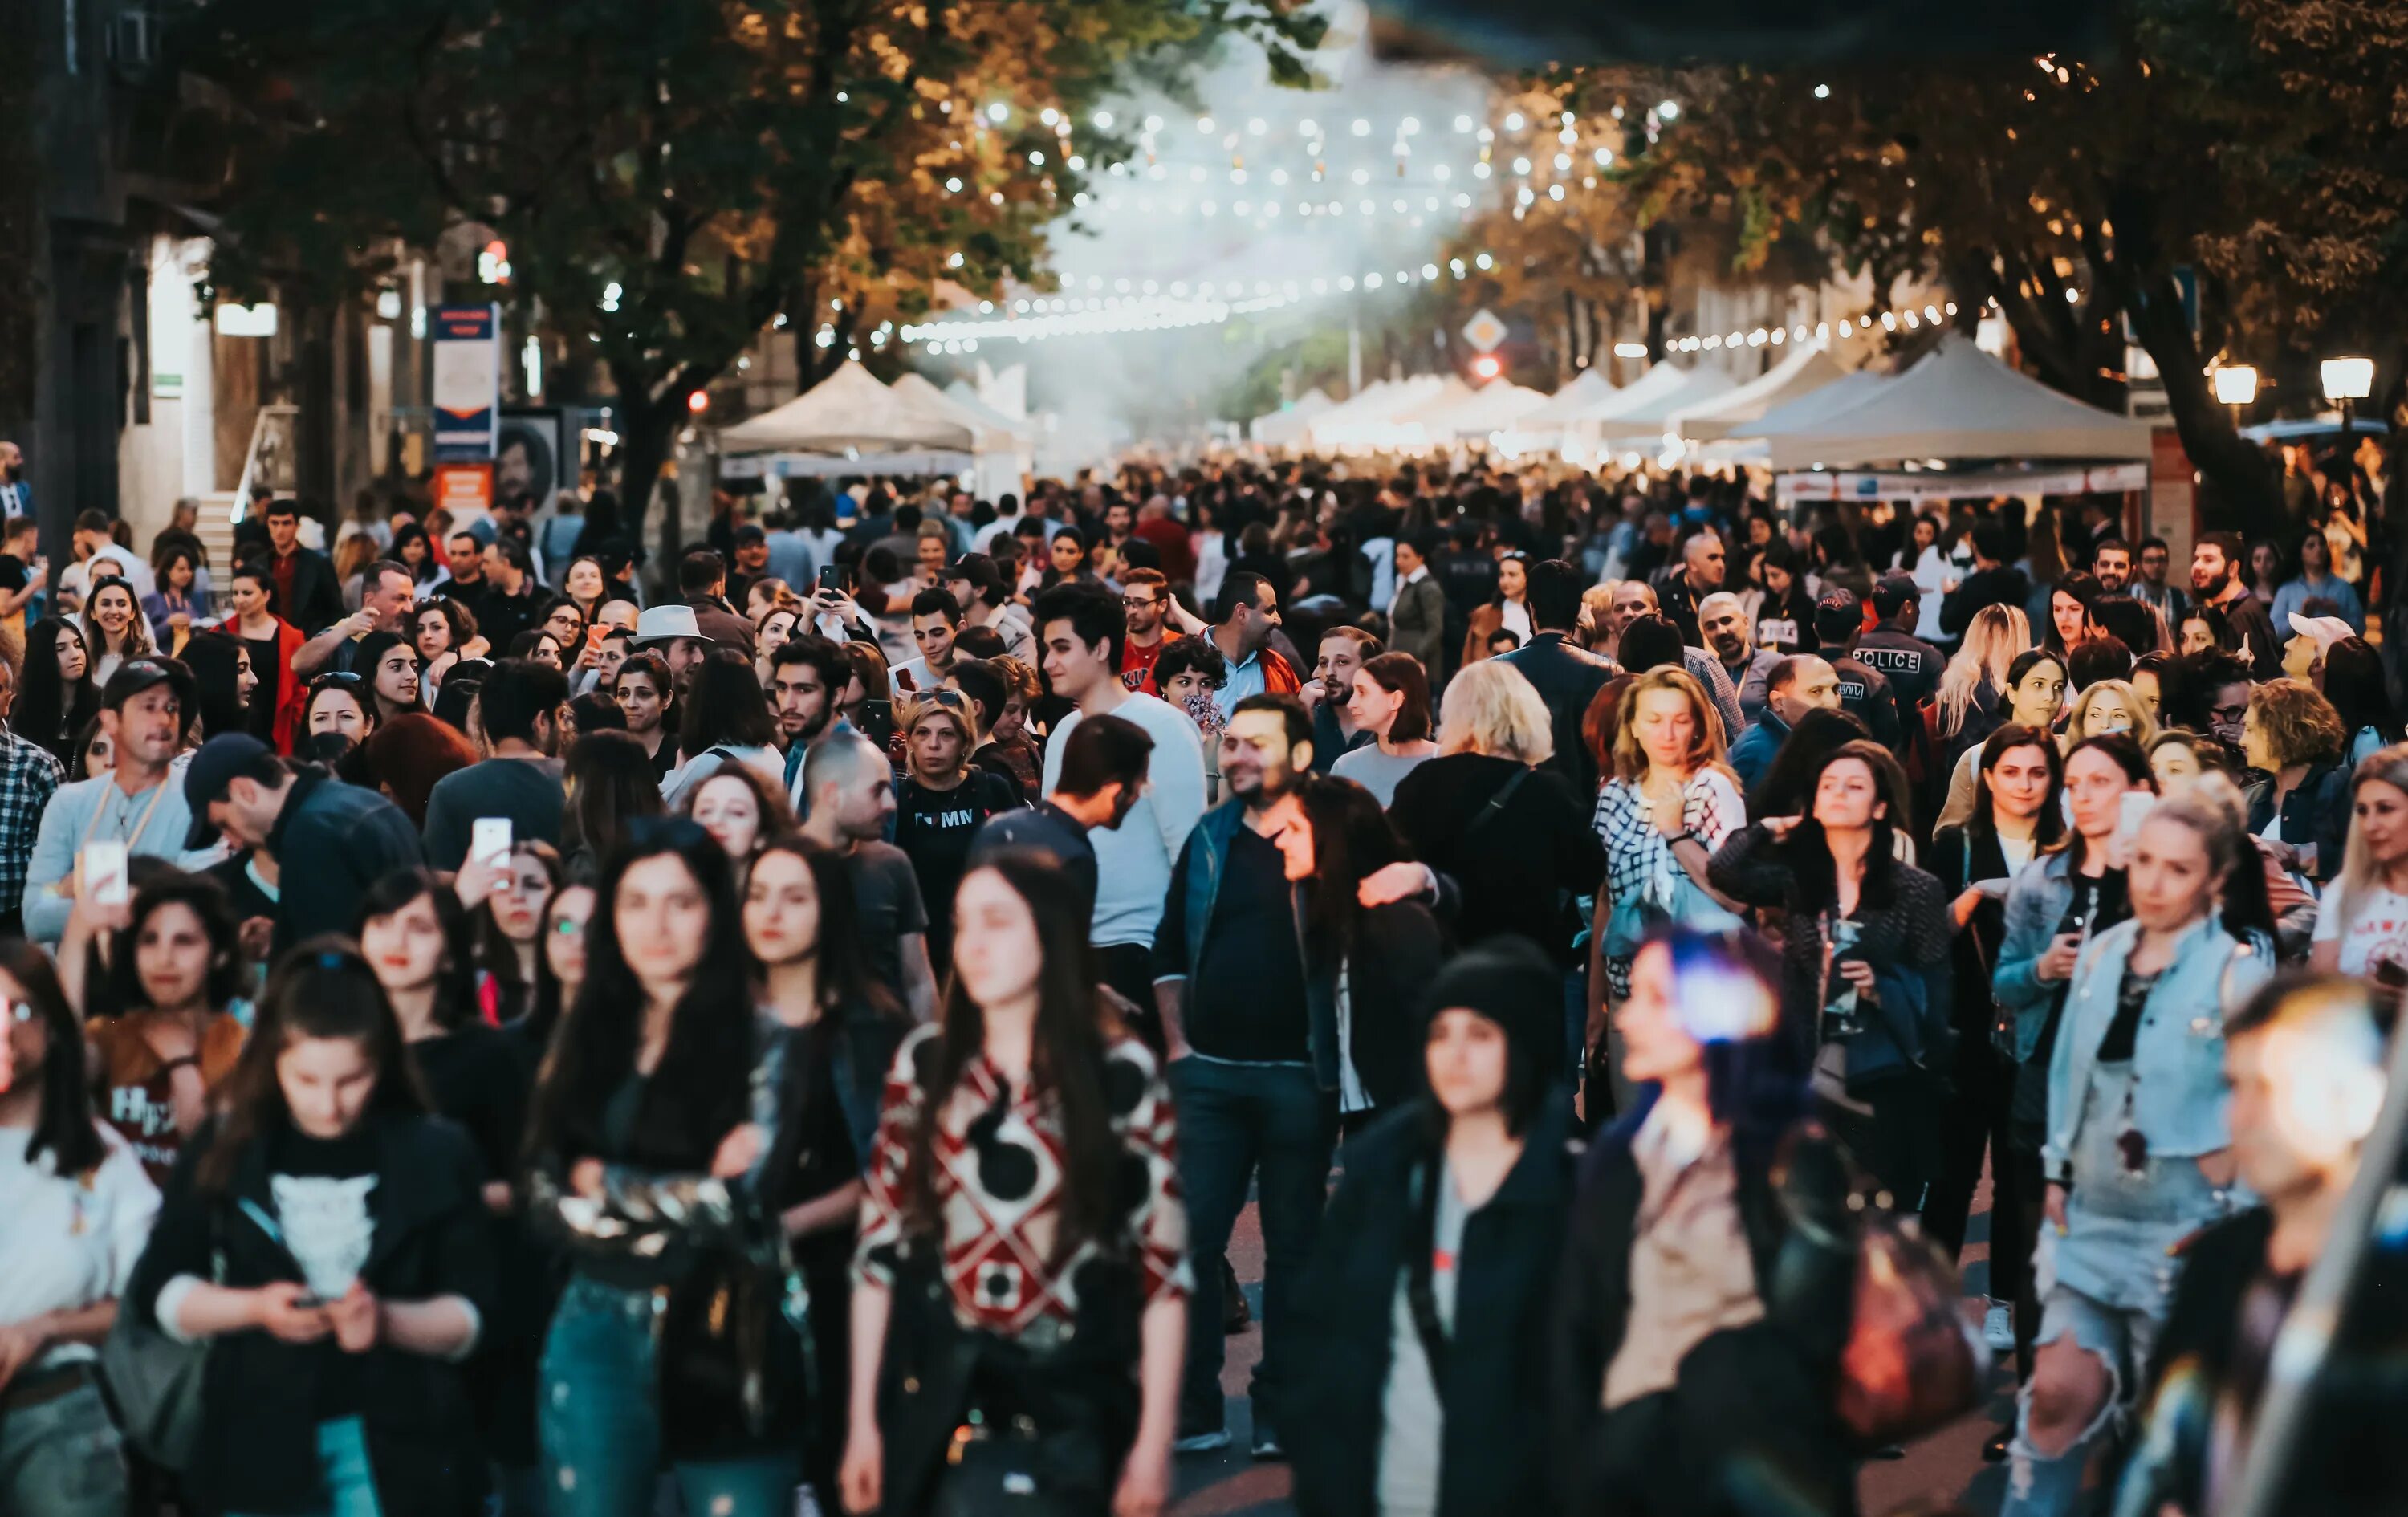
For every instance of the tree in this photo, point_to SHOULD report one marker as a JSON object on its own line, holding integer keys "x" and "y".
{"x": 670, "y": 179}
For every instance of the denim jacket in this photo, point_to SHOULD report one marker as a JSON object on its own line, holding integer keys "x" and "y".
{"x": 2036, "y": 903}
{"x": 2179, "y": 1092}
{"x": 1206, "y": 860}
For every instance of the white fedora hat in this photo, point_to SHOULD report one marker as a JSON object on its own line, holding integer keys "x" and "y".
{"x": 666, "y": 624}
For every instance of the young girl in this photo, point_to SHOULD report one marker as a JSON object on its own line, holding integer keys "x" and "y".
{"x": 58, "y": 696}
{"x": 327, "y": 1237}
{"x": 1023, "y": 1263}
{"x": 739, "y": 809}
{"x": 114, "y": 629}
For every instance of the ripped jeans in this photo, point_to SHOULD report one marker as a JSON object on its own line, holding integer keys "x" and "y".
{"x": 600, "y": 1424}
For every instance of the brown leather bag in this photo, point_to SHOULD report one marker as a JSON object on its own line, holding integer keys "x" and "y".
{"x": 1912, "y": 1362}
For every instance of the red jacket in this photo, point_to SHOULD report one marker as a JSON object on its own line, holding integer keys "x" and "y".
{"x": 292, "y": 691}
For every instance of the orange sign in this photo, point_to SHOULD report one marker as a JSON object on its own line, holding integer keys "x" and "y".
{"x": 464, "y": 489}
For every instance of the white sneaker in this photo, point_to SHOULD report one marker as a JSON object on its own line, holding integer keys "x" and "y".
{"x": 1999, "y": 1326}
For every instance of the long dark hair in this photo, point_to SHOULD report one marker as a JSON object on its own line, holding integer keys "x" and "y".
{"x": 63, "y": 1124}
{"x": 2128, "y": 756}
{"x": 321, "y": 988}
{"x": 698, "y": 1092}
{"x": 49, "y": 708}
{"x": 495, "y": 954}
{"x": 725, "y": 705}
{"x": 1067, "y": 1060}
{"x": 2049, "y": 824}
{"x": 2354, "y": 683}
{"x": 215, "y": 659}
{"x": 456, "y": 978}
{"x": 1352, "y": 838}
{"x": 1809, "y": 854}
{"x": 199, "y": 894}
{"x": 1788, "y": 784}
{"x": 845, "y": 978}
{"x": 612, "y": 783}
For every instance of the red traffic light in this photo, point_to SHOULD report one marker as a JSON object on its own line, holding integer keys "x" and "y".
{"x": 1486, "y": 366}
{"x": 697, "y": 402}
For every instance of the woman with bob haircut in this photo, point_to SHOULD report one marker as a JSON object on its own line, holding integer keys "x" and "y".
{"x": 2293, "y": 733}
{"x": 1390, "y": 700}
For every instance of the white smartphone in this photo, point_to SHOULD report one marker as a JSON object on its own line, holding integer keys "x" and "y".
{"x": 102, "y": 874}
{"x": 489, "y": 839}
{"x": 2131, "y": 811}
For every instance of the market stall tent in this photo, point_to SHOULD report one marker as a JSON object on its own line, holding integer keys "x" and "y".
{"x": 1801, "y": 371}
{"x": 1288, "y": 425}
{"x": 1566, "y": 405}
{"x": 1368, "y": 420}
{"x": 1959, "y": 404}
{"x": 1460, "y": 413}
{"x": 1644, "y": 422}
{"x": 850, "y": 412}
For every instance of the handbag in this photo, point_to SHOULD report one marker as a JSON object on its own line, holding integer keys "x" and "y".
{"x": 734, "y": 1366}
{"x": 1912, "y": 1361}
{"x": 154, "y": 1381}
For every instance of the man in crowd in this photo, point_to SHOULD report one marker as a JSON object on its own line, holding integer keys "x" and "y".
{"x": 2111, "y": 562}
{"x": 307, "y": 594}
{"x": 93, "y": 548}
{"x": 142, "y": 710}
{"x": 2216, "y": 575}
{"x": 387, "y": 594}
{"x": 16, "y": 492}
{"x": 1700, "y": 575}
{"x": 674, "y": 633}
{"x": 702, "y": 583}
{"x": 2152, "y": 588}
{"x": 525, "y": 707}
{"x": 1081, "y": 628}
{"x": 23, "y": 572}
{"x": 1343, "y": 652}
{"x": 1793, "y": 687}
{"x": 852, "y": 794}
{"x": 1566, "y": 675}
{"x": 1993, "y": 583}
{"x": 752, "y": 564}
{"x": 805, "y": 674}
{"x": 1145, "y": 595}
{"x": 1251, "y": 1071}
{"x": 1724, "y": 621}
{"x": 29, "y": 777}
{"x": 1865, "y": 693}
{"x": 936, "y": 620}
{"x": 978, "y": 588}
{"x": 1102, "y": 779}
{"x": 463, "y": 575}
{"x": 513, "y": 597}
{"x": 1417, "y": 614}
{"x": 1891, "y": 649}
{"x": 1248, "y": 614}
{"x": 330, "y": 841}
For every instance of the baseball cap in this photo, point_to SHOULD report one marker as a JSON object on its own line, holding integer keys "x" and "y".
{"x": 212, "y": 769}
{"x": 137, "y": 674}
{"x": 1839, "y": 615}
{"x": 1892, "y": 591}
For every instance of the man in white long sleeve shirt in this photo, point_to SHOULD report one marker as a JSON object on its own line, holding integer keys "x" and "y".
{"x": 1080, "y": 630}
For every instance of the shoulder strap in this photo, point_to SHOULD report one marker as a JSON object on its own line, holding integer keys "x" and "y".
{"x": 1497, "y": 803}
{"x": 1421, "y": 1294}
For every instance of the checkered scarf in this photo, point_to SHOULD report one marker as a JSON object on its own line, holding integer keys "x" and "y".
{"x": 1639, "y": 862}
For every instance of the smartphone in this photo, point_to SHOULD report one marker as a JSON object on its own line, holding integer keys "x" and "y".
{"x": 832, "y": 577}
{"x": 310, "y": 1301}
{"x": 101, "y": 874}
{"x": 593, "y": 637}
{"x": 2131, "y": 811}
{"x": 489, "y": 839}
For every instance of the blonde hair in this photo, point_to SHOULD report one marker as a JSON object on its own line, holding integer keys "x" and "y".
{"x": 1492, "y": 708}
{"x": 923, "y": 709}
{"x": 2144, "y": 726}
{"x": 1995, "y": 635}
{"x": 2358, "y": 870}
{"x": 1706, "y": 746}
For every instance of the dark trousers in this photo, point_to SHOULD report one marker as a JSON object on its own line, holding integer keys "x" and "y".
{"x": 1272, "y": 1124}
{"x": 1128, "y": 969}
{"x": 1897, "y": 1142}
{"x": 1974, "y": 1122}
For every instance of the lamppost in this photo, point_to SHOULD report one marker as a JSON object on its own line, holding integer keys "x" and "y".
{"x": 2347, "y": 379}
{"x": 2236, "y": 385}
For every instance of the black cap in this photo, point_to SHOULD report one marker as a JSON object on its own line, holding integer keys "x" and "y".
{"x": 137, "y": 674}
{"x": 212, "y": 769}
{"x": 1513, "y": 984}
{"x": 1893, "y": 592}
{"x": 752, "y": 532}
{"x": 1839, "y": 616}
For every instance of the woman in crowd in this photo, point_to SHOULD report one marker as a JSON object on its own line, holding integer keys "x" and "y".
{"x": 1426, "y": 1303}
{"x": 56, "y": 696}
{"x": 114, "y": 629}
{"x": 1493, "y": 815}
{"x": 2353, "y": 680}
{"x": 726, "y": 721}
{"x": 327, "y": 1237}
{"x": 2035, "y": 694}
{"x": 648, "y": 695}
{"x": 2150, "y": 672}
{"x": 507, "y": 909}
{"x": 1787, "y": 788}
{"x": 96, "y": 753}
{"x": 444, "y": 632}
{"x": 1064, "y": 1334}
{"x": 740, "y": 810}
{"x": 646, "y": 1141}
{"x": 543, "y": 645}
{"x": 1697, "y": 1322}
{"x": 2362, "y": 929}
{"x": 79, "y": 1212}
{"x": 585, "y": 585}
{"x": 561, "y": 973}
{"x": 408, "y": 755}
{"x": 1864, "y": 979}
{"x": 2068, "y": 613}
{"x": 1672, "y": 801}
{"x": 1975, "y": 680}
{"x": 414, "y": 551}
{"x": 160, "y": 981}
{"x": 774, "y": 629}
{"x": 273, "y": 642}
{"x": 2110, "y": 706}
{"x": 337, "y": 706}
{"x": 415, "y": 935}
{"x": 841, "y": 1027}
{"x": 223, "y": 680}
{"x": 2018, "y": 813}
{"x": 2204, "y": 627}
{"x": 610, "y": 782}
{"x": 1513, "y": 599}
{"x": 389, "y": 665}
{"x": 1783, "y": 616}
{"x": 1009, "y": 737}
{"x": 2293, "y": 735}
{"x": 1390, "y": 700}
{"x": 940, "y": 800}
{"x": 2138, "y": 1150}
{"x": 176, "y": 606}
{"x": 2316, "y": 581}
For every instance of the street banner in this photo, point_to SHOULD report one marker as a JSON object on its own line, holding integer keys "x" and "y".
{"x": 467, "y": 382}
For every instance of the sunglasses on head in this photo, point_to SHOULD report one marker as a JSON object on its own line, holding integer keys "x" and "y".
{"x": 334, "y": 677}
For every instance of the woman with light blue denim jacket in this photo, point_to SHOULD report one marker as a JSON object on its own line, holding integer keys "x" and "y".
{"x": 2137, "y": 1149}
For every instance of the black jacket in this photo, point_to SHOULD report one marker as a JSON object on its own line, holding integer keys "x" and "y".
{"x": 1517, "y": 868}
{"x": 1397, "y": 948}
{"x": 1912, "y": 665}
{"x": 258, "y": 1449}
{"x": 2005, "y": 585}
{"x": 1567, "y": 678}
{"x": 317, "y": 594}
{"x": 1493, "y": 1458}
{"x": 1751, "y": 1404}
{"x": 332, "y": 842}
{"x": 2315, "y": 814}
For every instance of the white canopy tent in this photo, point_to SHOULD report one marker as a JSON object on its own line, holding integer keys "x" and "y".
{"x": 1658, "y": 383}
{"x": 1591, "y": 389}
{"x": 850, "y": 412}
{"x": 1459, "y": 413}
{"x": 1959, "y": 403}
{"x": 1644, "y": 422}
{"x": 1809, "y": 409}
{"x": 1367, "y": 422}
{"x": 1801, "y": 371}
{"x": 1288, "y": 425}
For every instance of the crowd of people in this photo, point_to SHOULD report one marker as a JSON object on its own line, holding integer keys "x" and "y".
{"x": 481, "y": 1037}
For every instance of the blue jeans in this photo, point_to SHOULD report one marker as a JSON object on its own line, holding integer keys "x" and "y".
{"x": 1271, "y": 1124}
{"x": 61, "y": 1458}
{"x": 600, "y": 1424}
{"x": 343, "y": 1464}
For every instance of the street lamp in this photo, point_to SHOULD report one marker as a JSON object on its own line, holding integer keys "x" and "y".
{"x": 2347, "y": 379}
{"x": 2236, "y": 385}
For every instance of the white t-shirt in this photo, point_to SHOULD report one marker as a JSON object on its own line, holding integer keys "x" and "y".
{"x": 2376, "y": 932}
{"x": 1133, "y": 860}
{"x": 69, "y": 1242}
